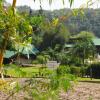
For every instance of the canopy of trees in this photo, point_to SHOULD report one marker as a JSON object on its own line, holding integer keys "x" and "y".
{"x": 90, "y": 21}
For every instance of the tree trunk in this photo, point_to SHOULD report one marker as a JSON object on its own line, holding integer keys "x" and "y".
{"x": 4, "y": 44}
{"x": 6, "y": 35}
{"x": 13, "y": 6}
{"x": 14, "y": 3}
{"x": 1, "y": 64}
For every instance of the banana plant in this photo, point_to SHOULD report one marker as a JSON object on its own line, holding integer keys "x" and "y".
{"x": 24, "y": 47}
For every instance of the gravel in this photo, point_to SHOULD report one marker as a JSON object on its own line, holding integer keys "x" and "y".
{"x": 81, "y": 91}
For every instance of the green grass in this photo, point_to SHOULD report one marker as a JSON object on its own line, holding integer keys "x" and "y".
{"x": 88, "y": 80}
{"x": 22, "y": 72}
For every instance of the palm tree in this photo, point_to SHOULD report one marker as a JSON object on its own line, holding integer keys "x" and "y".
{"x": 84, "y": 47}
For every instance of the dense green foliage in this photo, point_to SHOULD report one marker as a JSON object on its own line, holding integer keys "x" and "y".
{"x": 49, "y": 36}
{"x": 47, "y": 86}
{"x": 13, "y": 29}
{"x": 94, "y": 70}
{"x": 62, "y": 70}
{"x": 76, "y": 70}
{"x": 83, "y": 47}
{"x": 87, "y": 22}
{"x": 47, "y": 33}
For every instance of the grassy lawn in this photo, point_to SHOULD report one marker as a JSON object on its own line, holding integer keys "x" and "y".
{"x": 88, "y": 80}
{"x": 23, "y": 72}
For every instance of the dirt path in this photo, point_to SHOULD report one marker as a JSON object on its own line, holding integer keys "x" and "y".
{"x": 83, "y": 91}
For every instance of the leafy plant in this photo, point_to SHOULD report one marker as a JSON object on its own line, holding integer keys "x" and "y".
{"x": 45, "y": 88}
{"x": 93, "y": 70}
{"x": 75, "y": 70}
{"x": 12, "y": 30}
{"x": 62, "y": 70}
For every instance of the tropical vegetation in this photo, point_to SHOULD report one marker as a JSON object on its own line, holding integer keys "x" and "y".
{"x": 50, "y": 35}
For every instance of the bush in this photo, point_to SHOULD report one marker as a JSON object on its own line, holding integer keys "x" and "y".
{"x": 46, "y": 72}
{"x": 35, "y": 62}
{"x": 83, "y": 71}
{"x": 75, "y": 70}
{"x": 41, "y": 59}
{"x": 62, "y": 70}
{"x": 95, "y": 69}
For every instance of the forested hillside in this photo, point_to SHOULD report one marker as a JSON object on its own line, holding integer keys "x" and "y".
{"x": 90, "y": 21}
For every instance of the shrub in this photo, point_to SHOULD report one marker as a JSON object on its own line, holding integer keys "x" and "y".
{"x": 75, "y": 70}
{"x": 41, "y": 59}
{"x": 46, "y": 72}
{"x": 83, "y": 71}
{"x": 95, "y": 70}
{"x": 35, "y": 62}
{"x": 61, "y": 70}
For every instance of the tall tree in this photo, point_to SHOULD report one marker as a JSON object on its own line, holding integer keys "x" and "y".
{"x": 54, "y": 33}
{"x": 84, "y": 47}
{"x": 13, "y": 28}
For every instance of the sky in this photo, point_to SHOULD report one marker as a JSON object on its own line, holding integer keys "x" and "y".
{"x": 57, "y": 4}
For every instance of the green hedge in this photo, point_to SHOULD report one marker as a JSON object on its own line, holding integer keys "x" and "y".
{"x": 95, "y": 70}
{"x": 75, "y": 70}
